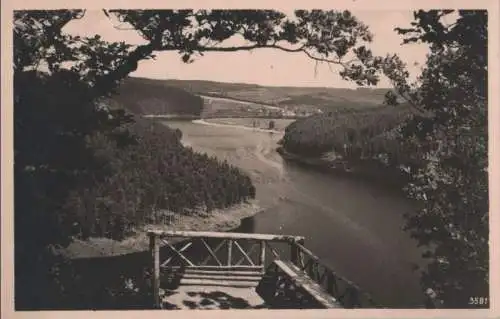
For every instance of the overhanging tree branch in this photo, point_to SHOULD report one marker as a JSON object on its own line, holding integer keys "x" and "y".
{"x": 318, "y": 34}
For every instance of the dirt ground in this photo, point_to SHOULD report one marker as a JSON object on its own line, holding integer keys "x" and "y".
{"x": 220, "y": 220}
{"x": 212, "y": 297}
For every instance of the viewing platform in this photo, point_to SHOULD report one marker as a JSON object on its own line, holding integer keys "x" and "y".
{"x": 220, "y": 270}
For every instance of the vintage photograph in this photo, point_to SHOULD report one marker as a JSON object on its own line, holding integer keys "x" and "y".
{"x": 250, "y": 159}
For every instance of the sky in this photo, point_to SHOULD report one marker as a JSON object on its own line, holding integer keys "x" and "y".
{"x": 261, "y": 66}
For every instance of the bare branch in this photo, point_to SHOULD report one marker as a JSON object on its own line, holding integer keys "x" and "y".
{"x": 237, "y": 48}
{"x": 338, "y": 61}
{"x": 261, "y": 46}
{"x": 119, "y": 27}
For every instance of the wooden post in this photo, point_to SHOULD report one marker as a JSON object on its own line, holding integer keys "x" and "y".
{"x": 155, "y": 258}
{"x": 262, "y": 254}
{"x": 331, "y": 284}
{"x": 300, "y": 257}
{"x": 294, "y": 253}
{"x": 229, "y": 251}
{"x": 301, "y": 241}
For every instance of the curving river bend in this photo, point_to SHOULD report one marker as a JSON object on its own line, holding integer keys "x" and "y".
{"x": 353, "y": 226}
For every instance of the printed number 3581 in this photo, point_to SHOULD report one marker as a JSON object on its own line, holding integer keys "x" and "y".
{"x": 478, "y": 301}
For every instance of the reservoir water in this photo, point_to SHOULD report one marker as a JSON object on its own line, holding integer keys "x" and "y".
{"x": 352, "y": 225}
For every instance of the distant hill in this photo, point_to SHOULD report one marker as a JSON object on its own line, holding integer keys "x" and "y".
{"x": 144, "y": 96}
{"x": 154, "y": 97}
{"x": 304, "y": 97}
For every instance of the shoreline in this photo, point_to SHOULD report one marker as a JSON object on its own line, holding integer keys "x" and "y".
{"x": 220, "y": 220}
{"x": 242, "y": 127}
{"x": 187, "y": 117}
{"x": 239, "y": 101}
{"x": 369, "y": 171}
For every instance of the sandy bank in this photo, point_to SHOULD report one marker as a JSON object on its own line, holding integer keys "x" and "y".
{"x": 219, "y": 220}
{"x": 203, "y": 122}
{"x": 171, "y": 116}
{"x": 280, "y": 124}
{"x": 228, "y": 99}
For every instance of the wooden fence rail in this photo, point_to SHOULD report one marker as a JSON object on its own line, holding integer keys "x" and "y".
{"x": 345, "y": 291}
{"x": 225, "y": 235}
{"x": 230, "y": 252}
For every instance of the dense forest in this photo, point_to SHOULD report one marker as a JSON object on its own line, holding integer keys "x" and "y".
{"x": 353, "y": 134}
{"x": 154, "y": 172}
{"x": 153, "y": 97}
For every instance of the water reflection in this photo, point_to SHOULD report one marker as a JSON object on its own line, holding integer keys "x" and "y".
{"x": 353, "y": 225}
{"x": 247, "y": 226}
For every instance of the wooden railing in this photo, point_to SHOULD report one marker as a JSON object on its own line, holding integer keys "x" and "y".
{"x": 345, "y": 291}
{"x": 213, "y": 251}
{"x": 240, "y": 251}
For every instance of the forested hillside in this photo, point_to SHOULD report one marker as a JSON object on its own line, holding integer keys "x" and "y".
{"x": 153, "y": 173}
{"x": 154, "y": 97}
{"x": 353, "y": 134}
